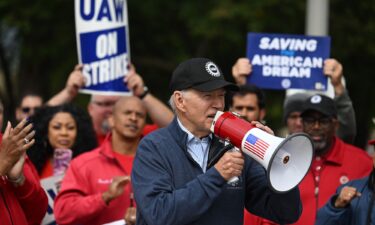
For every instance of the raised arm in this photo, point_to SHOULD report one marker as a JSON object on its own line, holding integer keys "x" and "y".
{"x": 75, "y": 81}
{"x": 20, "y": 172}
{"x": 13, "y": 148}
{"x": 346, "y": 115}
{"x": 240, "y": 70}
{"x": 158, "y": 111}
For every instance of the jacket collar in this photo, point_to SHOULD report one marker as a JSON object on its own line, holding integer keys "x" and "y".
{"x": 181, "y": 137}
{"x": 106, "y": 147}
{"x": 178, "y": 134}
{"x": 334, "y": 155}
{"x": 190, "y": 136}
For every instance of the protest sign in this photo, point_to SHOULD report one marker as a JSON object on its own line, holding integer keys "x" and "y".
{"x": 103, "y": 45}
{"x": 281, "y": 61}
{"x": 118, "y": 222}
{"x": 50, "y": 186}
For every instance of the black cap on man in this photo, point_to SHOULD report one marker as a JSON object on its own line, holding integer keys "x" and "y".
{"x": 201, "y": 74}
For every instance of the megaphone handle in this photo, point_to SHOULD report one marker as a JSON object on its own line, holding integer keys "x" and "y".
{"x": 234, "y": 180}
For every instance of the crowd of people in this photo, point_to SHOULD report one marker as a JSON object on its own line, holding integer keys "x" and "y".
{"x": 116, "y": 167}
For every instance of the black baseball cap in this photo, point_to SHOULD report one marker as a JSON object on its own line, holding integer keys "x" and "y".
{"x": 320, "y": 103}
{"x": 200, "y": 74}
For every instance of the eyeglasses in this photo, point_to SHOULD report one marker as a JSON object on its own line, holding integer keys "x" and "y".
{"x": 28, "y": 109}
{"x": 323, "y": 121}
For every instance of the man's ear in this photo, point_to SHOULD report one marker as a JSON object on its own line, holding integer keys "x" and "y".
{"x": 111, "y": 121}
{"x": 179, "y": 101}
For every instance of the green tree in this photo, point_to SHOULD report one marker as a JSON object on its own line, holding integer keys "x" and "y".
{"x": 164, "y": 32}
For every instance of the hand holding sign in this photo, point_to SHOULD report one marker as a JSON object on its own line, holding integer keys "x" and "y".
{"x": 240, "y": 70}
{"x": 333, "y": 69}
{"x": 135, "y": 82}
{"x": 75, "y": 81}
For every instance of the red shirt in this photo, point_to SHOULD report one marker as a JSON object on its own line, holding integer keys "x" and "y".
{"x": 18, "y": 204}
{"x": 126, "y": 161}
{"x": 88, "y": 176}
{"x": 343, "y": 163}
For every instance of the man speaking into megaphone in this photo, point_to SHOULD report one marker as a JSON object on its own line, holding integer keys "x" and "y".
{"x": 177, "y": 175}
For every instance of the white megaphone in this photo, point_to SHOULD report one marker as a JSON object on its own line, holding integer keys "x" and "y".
{"x": 286, "y": 160}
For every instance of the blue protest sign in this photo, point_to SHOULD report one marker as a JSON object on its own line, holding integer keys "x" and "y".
{"x": 103, "y": 45}
{"x": 283, "y": 61}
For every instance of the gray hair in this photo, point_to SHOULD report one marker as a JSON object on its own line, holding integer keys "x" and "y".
{"x": 171, "y": 100}
{"x": 171, "y": 103}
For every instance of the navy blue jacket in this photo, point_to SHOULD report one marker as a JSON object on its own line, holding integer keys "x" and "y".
{"x": 355, "y": 213}
{"x": 171, "y": 188}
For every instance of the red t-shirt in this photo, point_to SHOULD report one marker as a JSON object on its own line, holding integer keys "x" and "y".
{"x": 126, "y": 161}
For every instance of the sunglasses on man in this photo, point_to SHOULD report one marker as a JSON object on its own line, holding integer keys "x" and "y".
{"x": 311, "y": 121}
{"x": 29, "y": 109}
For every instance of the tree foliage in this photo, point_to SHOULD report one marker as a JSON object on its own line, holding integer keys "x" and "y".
{"x": 164, "y": 32}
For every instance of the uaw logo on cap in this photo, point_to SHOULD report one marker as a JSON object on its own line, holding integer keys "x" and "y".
{"x": 316, "y": 99}
{"x": 212, "y": 69}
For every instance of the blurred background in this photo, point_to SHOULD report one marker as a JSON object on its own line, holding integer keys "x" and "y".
{"x": 38, "y": 44}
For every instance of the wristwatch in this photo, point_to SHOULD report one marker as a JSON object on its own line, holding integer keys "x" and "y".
{"x": 145, "y": 92}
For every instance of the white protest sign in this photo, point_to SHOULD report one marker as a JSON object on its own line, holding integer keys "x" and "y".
{"x": 118, "y": 222}
{"x": 103, "y": 45}
{"x": 50, "y": 186}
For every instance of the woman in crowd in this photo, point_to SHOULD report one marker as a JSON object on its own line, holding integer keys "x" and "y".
{"x": 62, "y": 128}
{"x": 20, "y": 190}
